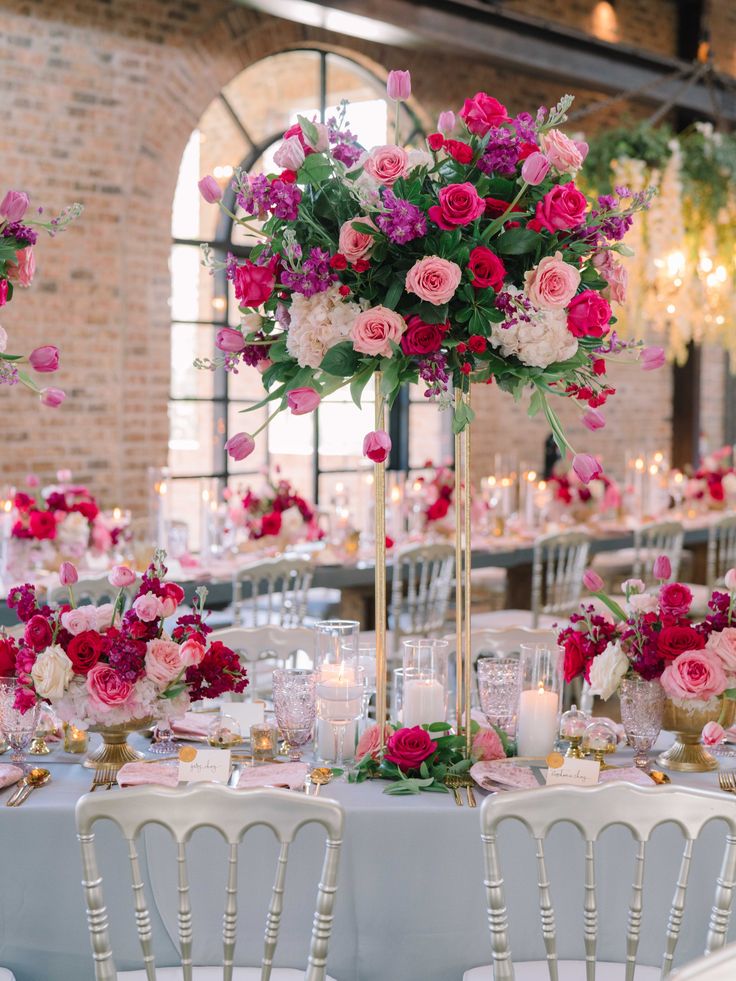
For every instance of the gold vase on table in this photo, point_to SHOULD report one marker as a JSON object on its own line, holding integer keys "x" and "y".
{"x": 115, "y": 751}
{"x": 687, "y": 754}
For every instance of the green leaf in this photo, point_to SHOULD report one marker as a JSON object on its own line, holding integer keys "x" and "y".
{"x": 341, "y": 360}
{"x": 438, "y": 727}
{"x": 360, "y": 226}
{"x": 730, "y": 693}
{"x": 309, "y": 130}
{"x": 462, "y": 417}
{"x": 393, "y": 294}
{"x": 315, "y": 170}
{"x": 431, "y": 314}
{"x": 358, "y": 384}
{"x": 517, "y": 241}
{"x": 424, "y": 770}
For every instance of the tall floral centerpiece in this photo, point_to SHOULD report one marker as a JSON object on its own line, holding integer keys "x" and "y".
{"x": 654, "y": 637}
{"x": 18, "y": 237}
{"x": 475, "y": 258}
{"x": 113, "y": 671}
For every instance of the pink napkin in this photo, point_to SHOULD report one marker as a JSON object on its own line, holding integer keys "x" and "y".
{"x": 491, "y": 772}
{"x": 628, "y": 774}
{"x": 292, "y": 775}
{"x": 137, "y": 774}
{"x": 9, "y": 774}
{"x": 192, "y": 724}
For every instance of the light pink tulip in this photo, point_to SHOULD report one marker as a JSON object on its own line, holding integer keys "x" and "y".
{"x": 712, "y": 734}
{"x": 662, "y": 567}
{"x": 32, "y": 480}
{"x": 446, "y": 122}
{"x": 210, "y": 189}
{"x": 592, "y": 581}
{"x": 229, "y": 340}
{"x": 398, "y": 85}
{"x": 535, "y": 168}
{"x": 302, "y": 400}
{"x": 240, "y": 446}
{"x": 586, "y": 467}
{"x": 53, "y": 397}
{"x": 593, "y": 419}
{"x": 45, "y": 358}
{"x": 730, "y": 580}
{"x": 121, "y": 576}
{"x": 652, "y": 358}
{"x": 14, "y": 205}
{"x": 377, "y": 446}
{"x": 68, "y": 574}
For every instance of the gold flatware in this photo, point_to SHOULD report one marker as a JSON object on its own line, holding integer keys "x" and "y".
{"x": 37, "y": 777}
{"x": 104, "y": 777}
{"x": 727, "y": 781}
{"x": 320, "y": 776}
{"x": 452, "y": 780}
{"x": 659, "y": 777}
{"x": 17, "y": 791}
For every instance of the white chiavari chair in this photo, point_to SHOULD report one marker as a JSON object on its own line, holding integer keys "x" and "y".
{"x": 650, "y": 541}
{"x": 720, "y": 557}
{"x": 95, "y": 590}
{"x": 720, "y": 966}
{"x": 427, "y": 572}
{"x": 265, "y": 648}
{"x": 6, "y": 975}
{"x": 592, "y": 810}
{"x": 504, "y": 641}
{"x": 272, "y": 591}
{"x": 233, "y": 814}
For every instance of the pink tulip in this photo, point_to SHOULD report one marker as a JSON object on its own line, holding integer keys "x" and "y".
{"x": 263, "y": 365}
{"x": 302, "y": 400}
{"x": 712, "y": 734}
{"x": 446, "y": 122}
{"x": 535, "y": 168}
{"x": 652, "y": 358}
{"x": 229, "y": 340}
{"x": 63, "y": 476}
{"x": 398, "y": 86}
{"x": 32, "y": 480}
{"x": 593, "y": 419}
{"x": 592, "y": 581}
{"x": 68, "y": 574}
{"x": 45, "y": 358}
{"x": 14, "y": 205}
{"x": 121, "y": 576}
{"x": 210, "y": 189}
{"x": 582, "y": 148}
{"x": 662, "y": 567}
{"x": 730, "y": 580}
{"x": 586, "y": 467}
{"x": 377, "y": 446}
{"x": 240, "y": 446}
{"x": 53, "y": 397}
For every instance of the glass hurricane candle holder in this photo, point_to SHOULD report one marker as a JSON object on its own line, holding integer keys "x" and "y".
{"x": 339, "y": 706}
{"x": 499, "y": 687}
{"x": 75, "y": 740}
{"x": 424, "y": 693}
{"x": 263, "y": 743}
{"x": 335, "y": 645}
{"x": 642, "y": 708}
{"x": 294, "y": 705}
{"x": 572, "y": 729}
{"x": 539, "y": 701}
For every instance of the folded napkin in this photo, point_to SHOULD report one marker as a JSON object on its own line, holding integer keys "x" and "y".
{"x": 137, "y": 774}
{"x": 272, "y": 774}
{"x": 626, "y": 774}
{"x": 511, "y": 775}
{"x": 192, "y": 724}
{"x": 9, "y": 774}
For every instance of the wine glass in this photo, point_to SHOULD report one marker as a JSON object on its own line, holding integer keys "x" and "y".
{"x": 294, "y": 707}
{"x": 340, "y": 702}
{"x": 18, "y": 727}
{"x": 499, "y": 687}
{"x": 642, "y": 705}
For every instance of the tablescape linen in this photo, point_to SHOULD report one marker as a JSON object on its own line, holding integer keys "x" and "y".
{"x": 653, "y": 637}
{"x": 112, "y": 671}
{"x": 9, "y": 774}
{"x": 166, "y": 773}
{"x": 18, "y": 238}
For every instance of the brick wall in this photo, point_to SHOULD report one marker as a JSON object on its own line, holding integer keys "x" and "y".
{"x": 99, "y": 101}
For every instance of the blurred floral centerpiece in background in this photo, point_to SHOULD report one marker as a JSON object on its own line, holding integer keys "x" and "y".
{"x": 277, "y": 513}
{"x": 578, "y": 501}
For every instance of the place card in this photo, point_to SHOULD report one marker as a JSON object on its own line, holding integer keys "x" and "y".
{"x": 572, "y": 772}
{"x": 200, "y": 765}
{"x": 246, "y": 714}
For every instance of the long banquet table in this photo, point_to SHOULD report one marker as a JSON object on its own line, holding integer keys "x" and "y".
{"x": 410, "y": 904}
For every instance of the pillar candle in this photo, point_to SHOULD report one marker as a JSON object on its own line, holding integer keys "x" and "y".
{"x": 423, "y": 702}
{"x": 537, "y": 726}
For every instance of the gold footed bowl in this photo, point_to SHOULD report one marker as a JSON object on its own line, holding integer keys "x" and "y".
{"x": 115, "y": 751}
{"x": 687, "y": 754}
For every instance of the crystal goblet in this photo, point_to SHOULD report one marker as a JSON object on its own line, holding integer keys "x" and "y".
{"x": 642, "y": 705}
{"x": 294, "y": 705}
{"x": 499, "y": 687}
{"x": 18, "y": 726}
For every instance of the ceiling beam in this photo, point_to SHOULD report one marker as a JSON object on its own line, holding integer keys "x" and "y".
{"x": 507, "y": 40}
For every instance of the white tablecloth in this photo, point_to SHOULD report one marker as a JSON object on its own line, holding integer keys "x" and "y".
{"x": 410, "y": 905}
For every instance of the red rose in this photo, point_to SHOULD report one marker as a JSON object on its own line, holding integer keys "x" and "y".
{"x": 408, "y": 748}
{"x": 438, "y": 510}
{"x": 271, "y": 523}
{"x": 360, "y": 265}
{"x": 421, "y": 338}
{"x": 435, "y": 141}
{"x": 560, "y": 209}
{"x": 495, "y": 207}
{"x": 8, "y": 650}
{"x": 675, "y": 599}
{"x": 673, "y": 641}
{"x": 575, "y": 663}
{"x": 482, "y": 113}
{"x": 38, "y": 632}
{"x": 487, "y": 268}
{"x": 253, "y": 284}
{"x": 23, "y": 502}
{"x": 462, "y": 152}
{"x": 588, "y": 315}
{"x": 42, "y": 524}
{"x": 477, "y": 344}
{"x": 84, "y": 650}
{"x": 338, "y": 261}
{"x": 599, "y": 366}
{"x": 172, "y": 590}
{"x": 459, "y": 205}
{"x": 526, "y": 150}
{"x": 296, "y": 130}
{"x": 88, "y": 509}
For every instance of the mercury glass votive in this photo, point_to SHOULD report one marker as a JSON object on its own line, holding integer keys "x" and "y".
{"x": 264, "y": 742}
{"x": 75, "y": 740}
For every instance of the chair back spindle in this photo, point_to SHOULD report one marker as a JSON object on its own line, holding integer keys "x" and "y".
{"x": 272, "y": 591}
{"x": 558, "y": 565}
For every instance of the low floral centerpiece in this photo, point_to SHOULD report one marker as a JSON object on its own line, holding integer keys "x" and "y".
{"x": 18, "y": 236}
{"x": 570, "y": 496}
{"x": 420, "y": 758}
{"x": 714, "y": 482}
{"x": 114, "y": 671}
{"x": 654, "y": 637}
{"x": 278, "y": 513}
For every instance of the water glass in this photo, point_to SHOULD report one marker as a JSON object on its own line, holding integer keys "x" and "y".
{"x": 294, "y": 703}
{"x": 642, "y": 705}
{"x": 499, "y": 687}
{"x": 339, "y": 703}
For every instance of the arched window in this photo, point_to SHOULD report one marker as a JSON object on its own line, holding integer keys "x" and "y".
{"x": 243, "y": 127}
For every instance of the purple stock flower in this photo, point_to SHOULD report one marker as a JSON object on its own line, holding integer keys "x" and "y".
{"x": 502, "y": 152}
{"x": 284, "y": 200}
{"x": 402, "y": 221}
{"x": 22, "y": 233}
{"x": 525, "y": 127}
{"x": 316, "y": 275}
{"x": 433, "y": 371}
{"x": 8, "y": 373}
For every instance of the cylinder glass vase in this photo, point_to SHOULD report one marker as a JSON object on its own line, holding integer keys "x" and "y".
{"x": 540, "y": 700}
{"x": 424, "y": 694}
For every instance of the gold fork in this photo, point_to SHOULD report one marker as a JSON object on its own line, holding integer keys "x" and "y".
{"x": 465, "y": 780}
{"x": 104, "y": 777}
{"x": 452, "y": 780}
{"x": 727, "y": 781}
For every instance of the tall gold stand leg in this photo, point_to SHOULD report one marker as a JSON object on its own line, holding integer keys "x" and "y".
{"x": 379, "y": 489}
{"x": 460, "y": 698}
{"x": 467, "y": 563}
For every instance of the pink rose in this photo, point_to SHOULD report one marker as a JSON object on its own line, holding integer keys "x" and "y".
{"x": 588, "y": 315}
{"x": 107, "y": 689}
{"x": 434, "y": 279}
{"x": 694, "y": 674}
{"x": 290, "y": 155}
{"x": 163, "y": 661}
{"x": 675, "y": 598}
{"x": 79, "y": 620}
{"x": 409, "y": 747}
{"x": 192, "y": 653}
{"x": 253, "y": 284}
{"x": 377, "y": 446}
{"x": 560, "y": 209}
{"x": 421, "y": 338}
{"x": 353, "y": 244}
{"x": 302, "y": 401}
{"x": 723, "y": 644}
{"x": 483, "y": 112}
{"x": 369, "y": 741}
{"x": 460, "y": 204}
{"x": 552, "y": 283}
{"x": 564, "y": 155}
{"x": 168, "y": 606}
{"x": 617, "y": 277}
{"x": 386, "y": 164}
{"x": 712, "y": 734}
{"x": 121, "y": 576}
{"x": 374, "y": 329}
{"x": 487, "y": 745}
{"x": 147, "y": 607}
{"x": 23, "y": 269}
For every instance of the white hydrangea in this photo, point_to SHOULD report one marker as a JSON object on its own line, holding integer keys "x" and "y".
{"x": 540, "y": 341}
{"x": 318, "y": 323}
{"x": 607, "y": 670}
